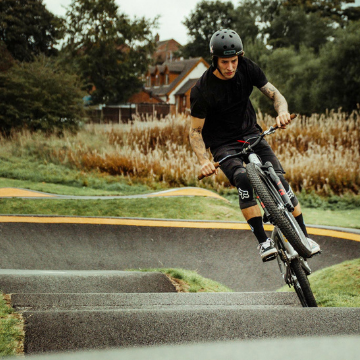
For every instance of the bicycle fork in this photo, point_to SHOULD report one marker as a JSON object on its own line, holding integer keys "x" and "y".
{"x": 287, "y": 253}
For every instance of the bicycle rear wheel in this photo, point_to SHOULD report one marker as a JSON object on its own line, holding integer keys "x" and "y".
{"x": 302, "y": 285}
{"x": 279, "y": 214}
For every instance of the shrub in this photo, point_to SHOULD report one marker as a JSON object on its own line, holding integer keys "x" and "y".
{"x": 39, "y": 96}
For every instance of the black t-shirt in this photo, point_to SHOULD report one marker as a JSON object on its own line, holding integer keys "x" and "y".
{"x": 225, "y": 104}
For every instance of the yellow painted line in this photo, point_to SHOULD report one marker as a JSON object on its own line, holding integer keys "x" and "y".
{"x": 14, "y": 192}
{"x": 129, "y": 222}
{"x": 163, "y": 223}
{"x": 333, "y": 233}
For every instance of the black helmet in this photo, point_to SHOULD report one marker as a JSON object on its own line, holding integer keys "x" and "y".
{"x": 226, "y": 43}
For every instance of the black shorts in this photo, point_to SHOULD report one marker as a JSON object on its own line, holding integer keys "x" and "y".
{"x": 263, "y": 150}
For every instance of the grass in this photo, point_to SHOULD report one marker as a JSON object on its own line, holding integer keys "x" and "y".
{"x": 166, "y": 208}
{"x": 103, "y": 188}
{"x": 189, "y": 280}
{"x": 11, "y": 330}
{"x": 184, "y": 208}
{"x": 337, "y": 285}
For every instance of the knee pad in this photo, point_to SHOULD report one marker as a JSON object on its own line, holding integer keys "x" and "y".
{"x": 245, "y": 190}
{"x": 288, "y": 190}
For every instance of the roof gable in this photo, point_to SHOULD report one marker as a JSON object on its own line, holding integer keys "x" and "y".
{"x": 183, "y": 67}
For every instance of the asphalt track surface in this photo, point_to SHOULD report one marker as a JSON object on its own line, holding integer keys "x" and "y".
{"x": 226, "y": 255}
{"x": 67, "y": 275}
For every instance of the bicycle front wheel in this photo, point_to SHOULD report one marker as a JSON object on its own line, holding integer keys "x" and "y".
{"x": 302, "y": 285}
{"x": 280, "y": 216}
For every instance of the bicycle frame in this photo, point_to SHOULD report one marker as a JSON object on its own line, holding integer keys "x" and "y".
{"x": 293, "y": 266}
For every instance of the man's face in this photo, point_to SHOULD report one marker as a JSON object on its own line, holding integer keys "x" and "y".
{"x": 228, "y": 66}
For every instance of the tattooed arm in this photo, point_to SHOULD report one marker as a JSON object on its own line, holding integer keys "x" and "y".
{"x": 198, "y": 145}
{"x": 280, "y": 103}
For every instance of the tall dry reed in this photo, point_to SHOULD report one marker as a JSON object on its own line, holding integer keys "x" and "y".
{"x": 320, "y": 153}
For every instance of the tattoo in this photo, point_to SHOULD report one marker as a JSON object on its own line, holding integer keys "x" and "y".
{"x": 274, "y": 94}
{"x": 196, "y": 130}
{"x": 197, "y": 143}
{"x": 269, "y": 90}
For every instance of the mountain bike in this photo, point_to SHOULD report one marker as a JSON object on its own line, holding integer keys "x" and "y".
{"x": 291, "y": 243}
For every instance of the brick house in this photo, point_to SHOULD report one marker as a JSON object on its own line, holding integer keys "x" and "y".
{"x": 165, "y": 50}
{"x": 171, "y": 83}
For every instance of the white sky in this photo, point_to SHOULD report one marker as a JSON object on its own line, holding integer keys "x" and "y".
{"x": 172, "y": 12}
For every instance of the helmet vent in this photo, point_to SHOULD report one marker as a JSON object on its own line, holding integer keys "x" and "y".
{"x": 232, "y": 46}
{"x": 223, "y": 37}
{"x": 225, "y": 47}
{"x": 230, "y": 36}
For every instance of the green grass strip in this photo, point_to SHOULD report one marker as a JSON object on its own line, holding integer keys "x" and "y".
{"x": 11, "y": 330}
{"x": 189, "y": 280}
{"x": 337, "y": 285}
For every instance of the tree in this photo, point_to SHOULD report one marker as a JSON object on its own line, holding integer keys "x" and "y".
{"x": 39, "y": 95}
{"x": 293, "y": 26}
{"x": 207, "y": 17}
{"x": 110, "y": 51}
{"x": 246, "y": 18}
{"x": 339, "y": 11}
{"x": 294, "y": 73}
{"x": 339, "y": 74}
{"x": 28, "y": 29}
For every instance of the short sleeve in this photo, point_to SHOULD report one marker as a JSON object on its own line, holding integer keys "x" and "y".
{"x": 257, "y": 75}
{"x": 198, "y": 105}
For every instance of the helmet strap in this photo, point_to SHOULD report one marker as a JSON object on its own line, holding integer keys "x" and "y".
{"x": 215, "y": 61}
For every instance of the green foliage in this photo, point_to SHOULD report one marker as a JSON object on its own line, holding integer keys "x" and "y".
{"x": 339, "y": 73}
{"x": 109, "y": 50}
{"x": 292, "y": 27}
{"x": 336, "y": 286}
{"x": 333, "y": 202}
{"x": 28, "y": 29}
{"x": 207, "y": 17}
{"x": 39, "y": 96}
{"x": 295, "y": 75}
{"x": 245, "y": 18}
{"x": 338, "y": 11}
{"x": 308, "y": 49}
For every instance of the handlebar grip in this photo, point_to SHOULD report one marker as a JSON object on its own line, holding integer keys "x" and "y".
{"x": 292, "y": 117}
{"x": 201, "y": 176}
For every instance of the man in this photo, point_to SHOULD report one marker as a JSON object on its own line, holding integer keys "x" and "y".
{"x": 223, "y": 119}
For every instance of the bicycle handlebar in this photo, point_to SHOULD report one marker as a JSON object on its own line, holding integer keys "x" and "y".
{"x": 246, "y": 150}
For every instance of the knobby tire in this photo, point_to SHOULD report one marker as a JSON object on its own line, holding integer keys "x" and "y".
{"x": 278, "y": 215}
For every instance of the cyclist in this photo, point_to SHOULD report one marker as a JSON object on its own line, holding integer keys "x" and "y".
{"x": 223, "y": 119}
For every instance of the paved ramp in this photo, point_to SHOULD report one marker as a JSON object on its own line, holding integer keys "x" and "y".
{"x": 67, "y": 276}
{"x": 223, "y": 254}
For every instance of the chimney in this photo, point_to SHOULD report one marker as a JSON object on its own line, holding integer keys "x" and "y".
{"x": 157, "y": 38}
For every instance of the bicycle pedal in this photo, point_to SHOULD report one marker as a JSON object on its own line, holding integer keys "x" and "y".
{"x": 270, "y": 257}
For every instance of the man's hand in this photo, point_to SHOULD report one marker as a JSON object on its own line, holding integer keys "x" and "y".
{"x": 208, "y": 168}
{"x": 283, "y": 119}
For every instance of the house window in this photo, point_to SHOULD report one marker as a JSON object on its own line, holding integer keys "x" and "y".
{"x": 148, "y": 81}
{"x": 157, "y": 82}
{"x": 184, "y": 101}
{"x": 166, "y": 79}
